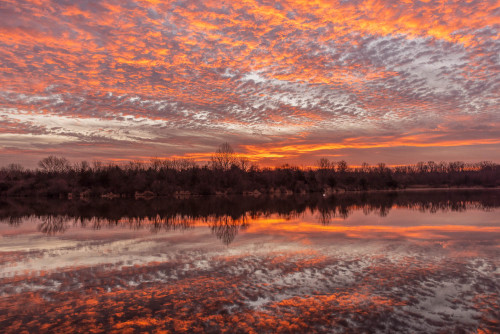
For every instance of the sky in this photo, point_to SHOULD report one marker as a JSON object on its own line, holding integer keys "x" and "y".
{"x": 285, "y": 81}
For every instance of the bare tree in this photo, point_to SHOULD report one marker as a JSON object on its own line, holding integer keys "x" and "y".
{"x": 15, "y": 168}
{"x": 381, "y": 167}
{"x": 432, "y": 166}
{"x": 54, "y": 164}
{"x": 81, "y": 166}
{"x": 365, "y": 167}
{"x": 224, "y": 157}
{"x": 324, "y": 163}
{"x": 135, "y": 165}
{"x": 186, "y": 163}
{"x": 97, "y": 165}
{"x": 155, "y": 163}
{"x": 244, "y": 163}
{"x": 342, "y": 166}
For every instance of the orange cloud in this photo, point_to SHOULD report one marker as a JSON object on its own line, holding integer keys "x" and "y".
{"x": 252, "y": 64}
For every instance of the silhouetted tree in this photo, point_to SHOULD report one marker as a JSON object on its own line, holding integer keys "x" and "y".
{"x": 244, "y": 163}
{"x": 15, "y": 168}
{"x": 82, "y": 166}
{"x": 365, "y": 167}
{"x": 53, "y": 164}
{"x": 324, "y": 163}
{"x": 342, "y": 166}
{"x": 224, "y": 157}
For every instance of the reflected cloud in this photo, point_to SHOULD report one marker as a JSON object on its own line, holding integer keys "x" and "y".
{"x": 406, "y": 261}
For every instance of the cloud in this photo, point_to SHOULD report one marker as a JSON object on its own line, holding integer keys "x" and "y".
{"x": 150, "y": 71}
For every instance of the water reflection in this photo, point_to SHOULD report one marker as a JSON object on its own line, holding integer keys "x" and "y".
{"x": 376, "y": 262}
{"x": 226, "y": 216}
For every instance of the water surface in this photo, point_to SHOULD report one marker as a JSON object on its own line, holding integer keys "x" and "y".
{"x": 373, "y": 262}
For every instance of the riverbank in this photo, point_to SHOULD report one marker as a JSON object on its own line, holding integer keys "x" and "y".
{"x": 117, "y": 182}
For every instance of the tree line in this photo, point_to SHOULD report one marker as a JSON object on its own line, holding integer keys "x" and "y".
{"x": 228, "y": 173}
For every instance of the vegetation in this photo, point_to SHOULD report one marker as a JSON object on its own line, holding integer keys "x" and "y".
{"x": 227, "y": 173}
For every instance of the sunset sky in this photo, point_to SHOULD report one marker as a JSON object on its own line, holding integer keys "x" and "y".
{"x": 285, "y": 81}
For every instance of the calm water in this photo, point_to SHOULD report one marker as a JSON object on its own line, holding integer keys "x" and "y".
{"x": 378, "y": 262}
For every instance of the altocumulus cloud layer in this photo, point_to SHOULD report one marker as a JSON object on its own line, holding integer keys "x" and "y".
{"x": 282, "y": 81}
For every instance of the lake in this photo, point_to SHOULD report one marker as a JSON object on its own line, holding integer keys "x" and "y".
{"x": 414, "y": 261}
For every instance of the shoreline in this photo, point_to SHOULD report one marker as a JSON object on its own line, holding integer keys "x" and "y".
{"x": 186, "y": 195}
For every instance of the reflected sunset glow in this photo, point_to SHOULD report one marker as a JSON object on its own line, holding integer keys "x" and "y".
{"x": 405, "y": 263}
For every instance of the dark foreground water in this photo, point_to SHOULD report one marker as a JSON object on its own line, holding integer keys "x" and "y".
{"x": 378, "y": 262}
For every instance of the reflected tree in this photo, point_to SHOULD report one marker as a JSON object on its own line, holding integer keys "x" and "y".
{"x": 229, "y": 215}
{"x": 53, "y": 224}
